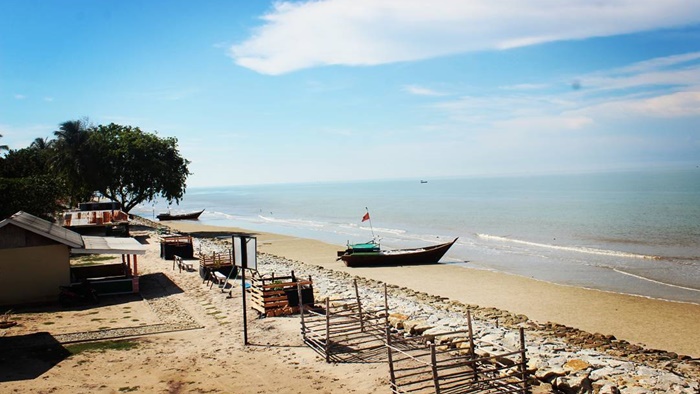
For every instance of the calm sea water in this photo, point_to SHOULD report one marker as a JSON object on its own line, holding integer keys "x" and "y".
{"x": 634, "y": 232}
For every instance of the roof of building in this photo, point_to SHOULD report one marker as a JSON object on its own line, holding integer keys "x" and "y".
{"x": 110, "y": 245}
{"x": 45, "y": 228}
{"x": 79, "y": 244}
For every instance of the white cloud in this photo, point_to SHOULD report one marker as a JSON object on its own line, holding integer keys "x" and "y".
{"x": 421, "y": 91}
{"x": 20, "y": 97}
{"x": 298, "y": 35}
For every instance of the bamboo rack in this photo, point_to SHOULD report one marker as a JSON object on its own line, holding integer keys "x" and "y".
{"x": 344, "y": 331}
{"x": 443, "y": 366}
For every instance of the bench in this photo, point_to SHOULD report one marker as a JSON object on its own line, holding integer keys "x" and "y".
{"x": 187, "y": 265}
{"x": 219, "y": 278}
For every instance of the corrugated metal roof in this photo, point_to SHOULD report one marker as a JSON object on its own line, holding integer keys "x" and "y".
{"x": 110, "y": 245}
{"x": 45, "y": 228}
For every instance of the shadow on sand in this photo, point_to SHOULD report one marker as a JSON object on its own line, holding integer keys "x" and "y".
{"x": 25, "y": 357}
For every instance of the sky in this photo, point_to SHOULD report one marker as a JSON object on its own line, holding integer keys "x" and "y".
{"x": 261, "y": 92}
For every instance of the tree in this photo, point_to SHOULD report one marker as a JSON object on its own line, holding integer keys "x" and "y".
{"x": 70, "y": 160}
{"x": 27, "y": 185}
{"x": 3, "y": 147}
{"x": 130, "y": 166}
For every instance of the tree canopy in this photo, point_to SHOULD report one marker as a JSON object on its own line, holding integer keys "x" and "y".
{"x": 118, "y": 162}
{"x": 130, "y": 166}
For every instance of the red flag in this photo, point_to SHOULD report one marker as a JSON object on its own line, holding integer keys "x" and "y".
{"x": 366, "y": 217}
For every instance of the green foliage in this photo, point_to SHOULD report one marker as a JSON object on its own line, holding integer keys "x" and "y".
{"x": 121, "y": 163}
{"x": 36, "y": 195}
{"x": 70, "y": 159}
{"x": 131, "y": 166}
{"x": 26, "y": 162}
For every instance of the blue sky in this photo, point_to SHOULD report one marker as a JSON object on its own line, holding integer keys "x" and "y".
{"x": 270, "y": 92}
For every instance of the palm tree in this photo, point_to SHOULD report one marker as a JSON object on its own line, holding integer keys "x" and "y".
{"x": 70, "y": 156}
{"x": 4, "y": 147}
{"x": 41, "y": 143}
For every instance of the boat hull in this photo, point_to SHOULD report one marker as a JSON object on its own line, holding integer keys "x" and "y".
{"x": 427, "y": 255}
{"x": 184, "y": 216}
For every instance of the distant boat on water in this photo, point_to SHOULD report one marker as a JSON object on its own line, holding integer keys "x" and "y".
{"x": 181, "y": 216}
{"x": 423, "y": 181}
{"x": 371, "y": 255}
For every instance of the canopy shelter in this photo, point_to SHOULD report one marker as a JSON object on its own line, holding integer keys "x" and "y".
{"x": 111, "y": 278}
{"x": 35, "y": 260}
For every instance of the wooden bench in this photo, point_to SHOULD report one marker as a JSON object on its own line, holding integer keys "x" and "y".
{"x": 187, "y": 265}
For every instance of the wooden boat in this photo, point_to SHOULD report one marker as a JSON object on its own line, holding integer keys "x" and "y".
{"x": 370, "y": 255}
{"x": 181, "y": 216}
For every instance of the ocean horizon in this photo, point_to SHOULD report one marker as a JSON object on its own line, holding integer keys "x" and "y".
{"x": 634, "y": 232}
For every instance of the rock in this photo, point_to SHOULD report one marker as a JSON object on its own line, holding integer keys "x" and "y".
{"x": 575, "y": 365}
{"x": 416, "y": 327}
{"x": 397, "y": 320}
{"x": 574, "y": 384}
{"x": 431, "y": 333}
{"x": 548, "y": 375}
{"x": 542, "y": 388}
{"x": 605, "y": 372}
{"x": 609, "y": 389}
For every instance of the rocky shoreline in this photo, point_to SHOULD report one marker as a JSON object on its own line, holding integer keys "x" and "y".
{"x": 560, "y": 358}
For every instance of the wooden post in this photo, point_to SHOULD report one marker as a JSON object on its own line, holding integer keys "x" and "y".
{"x": 244, "y": 264}
{"x": 386, "y": 306}
{"x": 301, "y": 312}
{"x": 433, "y": 364}
{"x": 359, "y": 305}
{"x": 135, "y": 277}
{"x": 523, "y": 360}
{"x": 328, "y": 330}
{"x": 472, "y": 352}
{"x": 392, "y": 377}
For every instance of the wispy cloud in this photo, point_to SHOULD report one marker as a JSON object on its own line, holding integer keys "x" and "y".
{"x": 20, "y": 97}
{"x": 371, "y": 32}
{"x": 665, "y": 87}
{"x": 422, "y": 91}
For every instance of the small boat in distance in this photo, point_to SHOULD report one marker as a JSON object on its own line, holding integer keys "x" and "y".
{"x": 181, "y": 216}
{"x": 370, "y": 255}
{"x": 423, "y": 181}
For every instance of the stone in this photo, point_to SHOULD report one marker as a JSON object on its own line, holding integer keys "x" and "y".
{"x": 397, "y": 320}
{"x": 548, "y": 375}
{"x": 575, "y": 365}
{"x": 574, "y": 384}
{"x": 609, "y": 389}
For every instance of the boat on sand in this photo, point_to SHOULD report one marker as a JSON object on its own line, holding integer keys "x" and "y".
{"x": 181, "y": 216}
{"x": 370, "y": 254}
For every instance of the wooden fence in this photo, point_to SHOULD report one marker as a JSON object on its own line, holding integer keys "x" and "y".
{"x": 454, "y": 363}
{"x": 344, "y": 331}
{"x": 279, "y": 295}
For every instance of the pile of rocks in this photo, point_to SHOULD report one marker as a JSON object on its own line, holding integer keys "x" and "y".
{"x": 561, "y": 359}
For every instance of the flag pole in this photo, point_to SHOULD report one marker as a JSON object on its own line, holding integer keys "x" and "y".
{"x": 370, "y": 224}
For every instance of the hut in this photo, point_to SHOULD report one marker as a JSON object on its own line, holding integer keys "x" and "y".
{"x": 35, "y": 259}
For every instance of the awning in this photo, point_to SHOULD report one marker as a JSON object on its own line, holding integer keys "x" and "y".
{"x": 110, "y": 245}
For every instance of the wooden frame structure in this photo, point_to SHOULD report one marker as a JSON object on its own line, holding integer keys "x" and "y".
{"x": 452, "y": 363}
{"x": 280, "y": 295}
{"x": 180, "y": 245}
{"x": 344, "y": 331}
{"x": 208, "y": 264}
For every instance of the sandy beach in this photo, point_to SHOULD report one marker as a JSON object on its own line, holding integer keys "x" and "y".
{"x": 635, "y": 319}
{"x": 206, "y": 353}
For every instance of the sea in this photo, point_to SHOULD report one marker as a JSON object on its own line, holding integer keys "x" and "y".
{"x": 632, "y": 232}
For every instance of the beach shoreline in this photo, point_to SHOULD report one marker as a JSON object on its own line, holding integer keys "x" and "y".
{"x": 635, "y": 319}
{"x": 186, "y": 334}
